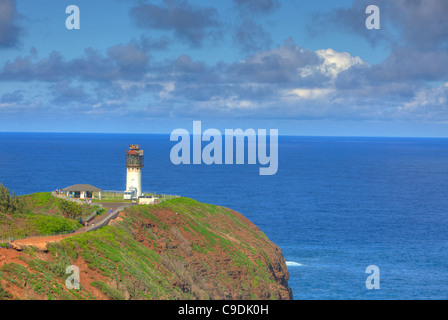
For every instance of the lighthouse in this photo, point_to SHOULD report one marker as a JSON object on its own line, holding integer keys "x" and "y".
{"x": 134, "y": 166}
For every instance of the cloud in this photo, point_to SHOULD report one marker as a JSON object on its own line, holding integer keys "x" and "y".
{"x": 188, "y": 23}
{"x": 422, "y": 24}
{"x": 429, "y": 103}
{"x": 17, "y": 102}
{"x": 416, "y": 23}
{"x": 9, "y": 28}
{"x": 129, "y": 58}
{"x": 22, "y": 68}
{"x": 406, "y": 64}
{"x": 332, "y": 63}
{"x": 281, "y": 64}
{"x": 258, "y": 6}
{"x": 153, "y": 44}
{"x": 184, "y": 64}
{"x": 286, "y": 82}
{"x": 249, "y": 32}
{"x": 65, "y": 93}
{"x": 400, "y": 76}
{"x": 416, "y": 34}
{"x": 10, "y": 97}
{"x": 121, "y": 62}
{"x": 351, "y": 20}
{"x": 310, "y": 94}
{"x": 416, "y": 31}
{"x": 127, "y": 61}
{"x": 260, "y": 78}
{"x": 251, "y": 36}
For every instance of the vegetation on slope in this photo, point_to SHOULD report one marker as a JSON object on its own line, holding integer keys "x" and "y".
{"x": 46, "y": 203}
{"x": 179, "y": 249}
{"x": 38, "y": 214}
{"x": 10, "y": 204}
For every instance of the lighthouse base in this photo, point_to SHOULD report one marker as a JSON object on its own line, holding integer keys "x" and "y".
{"x": 134, "y": 180}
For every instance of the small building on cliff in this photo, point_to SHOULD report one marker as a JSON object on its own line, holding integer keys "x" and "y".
{"x": 82, "y": 191}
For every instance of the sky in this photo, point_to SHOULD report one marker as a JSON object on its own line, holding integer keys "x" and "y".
{"x": 300, "y": 66}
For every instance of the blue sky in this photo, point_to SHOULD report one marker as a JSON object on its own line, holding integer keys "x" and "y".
{"x": 302, "y": 67}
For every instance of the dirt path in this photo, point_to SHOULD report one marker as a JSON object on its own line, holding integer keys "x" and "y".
{"x": 40, "y": 242}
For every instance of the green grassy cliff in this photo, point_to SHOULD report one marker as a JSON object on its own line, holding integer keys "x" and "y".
{"x": 179, "y": 249}
{"x": 39, "y": 214}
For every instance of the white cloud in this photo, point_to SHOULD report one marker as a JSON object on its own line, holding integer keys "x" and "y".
{"x": 232, "y": 102}
{"x": 310, "y": 94}
{"x": 168, "y": 88}
{"x": 333, "y": 63}
{"x": 435, "y": 97}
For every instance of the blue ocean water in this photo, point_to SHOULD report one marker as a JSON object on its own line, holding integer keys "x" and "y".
{"x": 336, "y": 205}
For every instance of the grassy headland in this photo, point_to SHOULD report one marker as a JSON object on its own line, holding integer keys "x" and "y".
{"x": 178, "y": 249}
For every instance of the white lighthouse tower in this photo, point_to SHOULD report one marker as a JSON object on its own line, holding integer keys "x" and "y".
{"x": 134, "y": 165}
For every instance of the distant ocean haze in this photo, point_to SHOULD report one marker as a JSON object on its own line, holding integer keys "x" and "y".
{"x": 335, "y": 206}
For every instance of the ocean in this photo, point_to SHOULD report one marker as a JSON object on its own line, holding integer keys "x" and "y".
{"x": 335, "y": 206}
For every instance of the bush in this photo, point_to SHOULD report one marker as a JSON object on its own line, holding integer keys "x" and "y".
{"x": 46, "y": 225}
{"x": 71, "y": 210}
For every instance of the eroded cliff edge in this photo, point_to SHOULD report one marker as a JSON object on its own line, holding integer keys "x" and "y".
{"x": 179, "y": 249}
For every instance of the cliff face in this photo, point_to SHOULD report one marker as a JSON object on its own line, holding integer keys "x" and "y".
{"x": 180, "y": 249}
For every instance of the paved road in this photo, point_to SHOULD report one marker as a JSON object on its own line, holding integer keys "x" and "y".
{"x": 113, "y": 210}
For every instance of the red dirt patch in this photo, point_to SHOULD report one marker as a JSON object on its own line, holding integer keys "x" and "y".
{"x": 38, "y": 242}
{"x": 9, "y": 256}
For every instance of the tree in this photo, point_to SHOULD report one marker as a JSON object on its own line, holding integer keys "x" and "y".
{"x": 10, "y": 203}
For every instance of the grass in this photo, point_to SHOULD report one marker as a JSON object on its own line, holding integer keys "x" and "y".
{"x": 41, "y": 216}
{"x": 114, "y": 294}
{"x": 45, "y": 203}
{"x": 37, "y": 225}
{"x": 46, "y": 225}
{"x": 136, "y": 258}
{"x": 40, "y": 199}
{"x": 116, "y": 255}
{"x": 41, "y": 280}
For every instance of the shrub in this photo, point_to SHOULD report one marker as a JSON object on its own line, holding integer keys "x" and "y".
{"x": 46, "y": 225}
{"x": 71, "y": 210}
